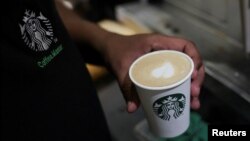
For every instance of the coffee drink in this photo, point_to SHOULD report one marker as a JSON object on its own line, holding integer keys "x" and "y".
{"x": 163, "y": 81}
{"x": 161, "y": 68}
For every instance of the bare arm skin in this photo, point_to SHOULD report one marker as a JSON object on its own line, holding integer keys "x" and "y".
{"x": 120, "y": 51}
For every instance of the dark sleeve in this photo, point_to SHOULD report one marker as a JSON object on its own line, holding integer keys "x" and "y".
{"x": 89, "y": 54}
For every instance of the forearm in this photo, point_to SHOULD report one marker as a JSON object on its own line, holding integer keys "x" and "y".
{"x": 82, "y": 30}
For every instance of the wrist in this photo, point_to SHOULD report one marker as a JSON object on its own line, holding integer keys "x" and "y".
{"x": 107, "y": 44}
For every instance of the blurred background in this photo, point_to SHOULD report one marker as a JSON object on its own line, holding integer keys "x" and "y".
{"x": 221, "y": 31}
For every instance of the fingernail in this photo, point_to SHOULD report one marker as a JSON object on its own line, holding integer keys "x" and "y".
{"x": 195, "y": 104}
{"x": 131, "y": 107}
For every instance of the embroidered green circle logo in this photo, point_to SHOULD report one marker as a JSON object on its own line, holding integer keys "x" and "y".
{"x": 171, "y": 106}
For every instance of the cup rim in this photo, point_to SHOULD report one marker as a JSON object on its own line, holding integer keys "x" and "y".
{"x": 162, "y": 87}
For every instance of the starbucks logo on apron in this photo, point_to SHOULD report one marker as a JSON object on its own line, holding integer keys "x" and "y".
{"x": 171, "y": 106}
{"x": 37, "y": 31}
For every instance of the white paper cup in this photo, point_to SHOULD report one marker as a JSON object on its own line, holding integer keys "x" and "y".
{"x": 167, "y": 108}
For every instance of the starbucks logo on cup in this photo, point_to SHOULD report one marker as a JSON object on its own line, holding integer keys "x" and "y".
{"x": 169, "y": 107}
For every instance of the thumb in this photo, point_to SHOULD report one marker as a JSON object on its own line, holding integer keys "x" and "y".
{"x": 130, "y": 95}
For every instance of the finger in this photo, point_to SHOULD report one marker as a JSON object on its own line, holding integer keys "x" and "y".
{"x": 167, "y": 43}
{"x": 195, "y": 103}
{"x": 194, "y": 74}
{"x": 173, "y": 43}
{"x": 131, "y": 106}
{"x": 195, "y": 90}
{"x": 192, "y": 51}
{"x": 130, "y": 95}
{"x": 197, "y": 81}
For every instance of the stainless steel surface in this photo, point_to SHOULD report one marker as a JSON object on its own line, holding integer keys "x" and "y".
{"x": 230, "y": 78}
{"x": 224, "y": 15}
{"x": 246, "y": 19}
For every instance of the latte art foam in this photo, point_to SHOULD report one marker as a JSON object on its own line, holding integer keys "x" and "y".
{"x": 160, "y": 69}
{"x": 165, "y": 71}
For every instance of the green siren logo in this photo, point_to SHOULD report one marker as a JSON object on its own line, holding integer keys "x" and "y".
{"x": 170, "y": 106}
